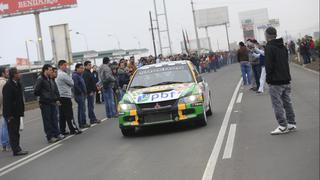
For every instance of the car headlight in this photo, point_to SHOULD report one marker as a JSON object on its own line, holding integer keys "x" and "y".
{"x": 126, "y": 107}
{"x": 191, "y": 99}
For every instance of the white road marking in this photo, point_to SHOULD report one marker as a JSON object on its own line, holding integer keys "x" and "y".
{"x": 229, "y": 145}
{"x": 37, "y": 152}
{"x": 239, "y": 98}
{"x": 208, "y": 173}
{"x": 29, "y": 160}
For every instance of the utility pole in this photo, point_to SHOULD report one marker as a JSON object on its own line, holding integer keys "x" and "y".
{"x": 158, "y": 27}
{"x": 195, "y": 25}
{"x": 153, "y": 40}
{"x": 165, "y": 14}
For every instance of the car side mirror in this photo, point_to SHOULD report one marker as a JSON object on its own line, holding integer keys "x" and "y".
{"x": 199, "y": 79}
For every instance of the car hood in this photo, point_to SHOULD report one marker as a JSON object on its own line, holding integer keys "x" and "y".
{"x": 159, "y": 93}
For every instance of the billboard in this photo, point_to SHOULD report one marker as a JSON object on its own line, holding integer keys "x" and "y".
{"x": 258, "y": 16}
{"x": 212, "y": 17}
{"x": 10, "y": 8}
{"x": 60, "y": 41}
{"x": 22, "y": 61}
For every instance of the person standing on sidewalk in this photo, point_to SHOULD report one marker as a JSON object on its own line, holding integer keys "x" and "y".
{"x": 91, "y": 89}
{"x": 13, "y": 110}
{"x": 65, "y": 85}
{"x": 4, "y": 74}
{"x": 96, "y": 80}
{"x": 278, "y": 78}
{"x": 243, "y": 59}
{"x": 106, "y": 83}
{"x": 80, "y": 94}
{"x": 48, "y": 92}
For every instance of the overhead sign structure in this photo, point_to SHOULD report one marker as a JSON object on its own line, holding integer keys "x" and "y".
{"x": 212, "y": 17}
{"x": 61, "y": 45}
{"x": 257, "y": 16}
{"x": 10, "y": 8}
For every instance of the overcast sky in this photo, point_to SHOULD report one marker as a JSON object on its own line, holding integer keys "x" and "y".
{"x": 129, "y": 21}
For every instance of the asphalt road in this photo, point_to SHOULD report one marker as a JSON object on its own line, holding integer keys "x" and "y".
{"x": 185, "y": 152}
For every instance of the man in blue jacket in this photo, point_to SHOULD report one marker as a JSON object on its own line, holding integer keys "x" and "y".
{"x": 80, "y": 94}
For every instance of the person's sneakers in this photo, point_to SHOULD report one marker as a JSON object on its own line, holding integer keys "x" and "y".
{"x": 279, "y": 130}
{"x": 53, "y": 140}
{"x": 76, "y": 132}
{"x": 85, "y": 126}
{"x": 65, "y": 133}
{"x": 292, "y": 127}
{"x": 20, "y": 153}
{"x": 60, "y": 137}
{"x": 5, "y": 149}
{"x": 97, "y": 121}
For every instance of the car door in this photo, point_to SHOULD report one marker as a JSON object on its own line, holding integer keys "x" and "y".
{"x": 204, "y": 86}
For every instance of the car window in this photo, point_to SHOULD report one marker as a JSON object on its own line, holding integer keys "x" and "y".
{"x": 157, "y": 75}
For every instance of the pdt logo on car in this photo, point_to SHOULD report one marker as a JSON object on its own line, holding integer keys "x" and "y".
{"x": 155, "y": 97}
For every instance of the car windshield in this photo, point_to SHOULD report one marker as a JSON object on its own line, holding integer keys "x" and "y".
{"x": 161, "y": 75}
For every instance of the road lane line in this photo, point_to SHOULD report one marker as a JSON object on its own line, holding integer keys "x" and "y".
{"x": 208, "y": 173}
{"x": 230, "y": 141}
{"x": 239, "y": 98}
{"x": 29, "y": 160}
{"x": 37, "y": 152}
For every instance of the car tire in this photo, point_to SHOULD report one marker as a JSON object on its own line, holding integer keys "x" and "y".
{"x": 209, "y": 112}
{"x": 128, "y": 132}
{"x": 202, "y": 121}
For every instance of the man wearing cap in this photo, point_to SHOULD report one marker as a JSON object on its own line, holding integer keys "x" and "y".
{"x": 278, "y": 78}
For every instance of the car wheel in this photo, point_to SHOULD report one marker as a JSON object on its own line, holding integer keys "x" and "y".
{"x": 202, "y": 121}
{"x": 209, "y": 112}
{"x": 127, "y": 132}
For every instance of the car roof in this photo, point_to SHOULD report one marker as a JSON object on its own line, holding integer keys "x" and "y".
{"x": 162, "y": 64}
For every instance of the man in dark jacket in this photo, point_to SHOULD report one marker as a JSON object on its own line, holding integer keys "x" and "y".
{"x": 243, "y": 59}
{"x": 48, "y": 92}
{"x": 13, "y": 110}
{"x": 80, "y": 93}
{"x": 91, "y": 89}
{"x": 278, "y": 78}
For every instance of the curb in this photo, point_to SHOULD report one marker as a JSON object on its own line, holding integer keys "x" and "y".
{"x": 310, "y": 70}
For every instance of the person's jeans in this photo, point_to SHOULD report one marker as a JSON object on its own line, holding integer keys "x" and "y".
{"x": 109, "y": 102}
{"x": 282, "y": 105}
{"x": 257, "y": 72}
{"x": 4, "y": 134}
{"x": 91, "y": 114}
{"x": 80, "y": 99}
{"x": 246, "y": 73}
{"x": 306, "y": 59}
{"x": 50, "y": 120}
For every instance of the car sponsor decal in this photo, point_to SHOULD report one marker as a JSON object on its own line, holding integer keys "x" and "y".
{"x": 156, "y": 97}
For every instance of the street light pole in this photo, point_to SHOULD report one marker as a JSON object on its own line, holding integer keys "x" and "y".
{"x": 139, "y": 44}
{"x": 85, "y": 39}
{"x": 118, "y": 42}
{"x": 26, "y": 42}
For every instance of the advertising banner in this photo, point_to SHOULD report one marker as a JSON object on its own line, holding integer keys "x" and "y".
{"x": 20, "y": 7}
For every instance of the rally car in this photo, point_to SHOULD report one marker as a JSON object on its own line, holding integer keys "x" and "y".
{"x": 168, "y": 92}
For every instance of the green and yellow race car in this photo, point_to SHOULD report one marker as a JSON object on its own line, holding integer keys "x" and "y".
{"x": 162, "y": 93}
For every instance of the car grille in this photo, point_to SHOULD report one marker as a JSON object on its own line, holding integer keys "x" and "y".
{"x": 151, "y": 118}
{"x": 169, "y": 103}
